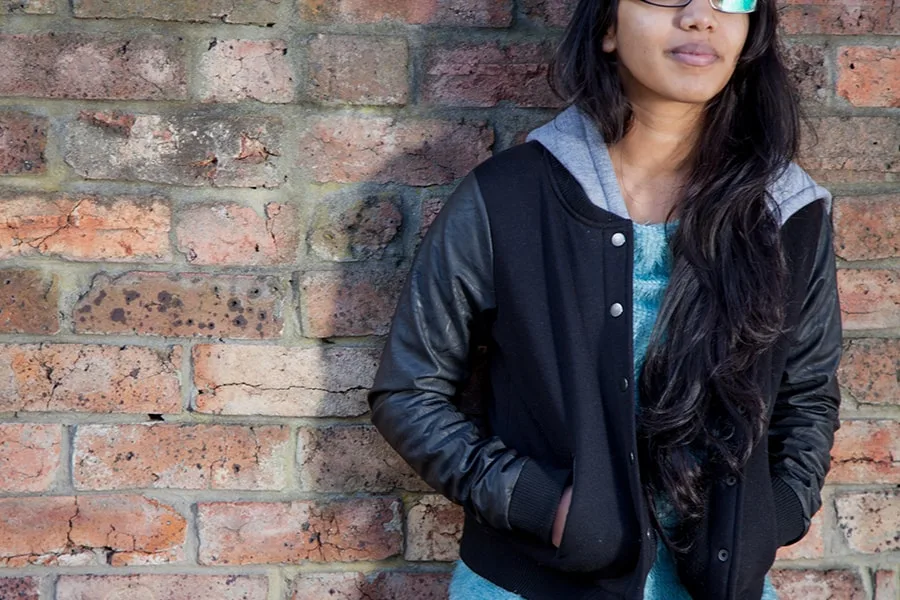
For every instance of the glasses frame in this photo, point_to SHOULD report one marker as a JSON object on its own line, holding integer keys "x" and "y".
{"x": 711, "y": 3}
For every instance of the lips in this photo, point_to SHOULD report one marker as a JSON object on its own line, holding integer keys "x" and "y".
{"x": 695, "y": 54}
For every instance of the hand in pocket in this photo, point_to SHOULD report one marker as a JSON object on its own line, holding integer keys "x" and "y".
{"x": 562, "y": 513}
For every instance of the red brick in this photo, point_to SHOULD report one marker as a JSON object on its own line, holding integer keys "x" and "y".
{"x": 234, "y": 70}
{"x": 79, "y": 227}
{"x": 485, "y": 74}
{"x": 849, "y": 17}
{"x": 347, "y": 227}
{"x": 870, "y": 299}
{"x": 866, "y": 452}
{"x": 89, "y": 378}
{"x": 383, "y": 586}
{"x": 195, "y": 457}
{"x": 88, "y": 530}
{"x": 29, "y": 456}
{"x": 29, "y": 7}
{"x": 23, "y": 139}
{"x": 259, "y": 12}
{"x": 351, "y": 458}
{"x": 162, "y": 587}
{"x": 852, "y": 149}
{"x": 430, "y": 209}
{"x": 286, "y": 382}
{"x": 433, "y": 529}
{"x": 182, "y": 304}
{"x": 231, "y": 234}
{"x": 71, "y": 65}
{"x": 348, "y": 303}
{"x": 28, "y": 302}
{"x": 868, "y": 371}
{"x": 867, "y": 227}
{"x": 290, "y": 532}
{"x": 811, "y": 546}
{"x": 348, "y": 69}
{"x": 806, "y": 64}
{"x": 19, "y": 588}
{"x": 347, "y": 149}
{"x": 194, "y": 149}
{"x": 869, "y": 521}
{"x": 550, "y": 13}
{"x": 869, "y": 75}
{"x": 469, "y": 13}
{"x": 886, "y": 587}
{"x": 809, "y": 584}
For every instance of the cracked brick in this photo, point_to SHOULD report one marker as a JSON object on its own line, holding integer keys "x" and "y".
{"x": 805, "y": 584}
{"x": 235, "y": 70}
{"x": 147, "y": 586}
{"x": 29, "y": 456}
{"x": 23, "y": 139}
{"x": 346, "y": 227}
{"x": 28, "y": 302}
{"x": 866, "y": 451}
{"x": 386, "y": 585}
{"x": 869, "y": 371}
{"x": 348, "y": 69}
{"x": 468, "y": 13}
{"x": 867, "y": 227}
{"x": 851, "y": 149}
{"x": 254, "y": 12}
{"x": 433, "y": 529}
{"x": 870, "y": 298}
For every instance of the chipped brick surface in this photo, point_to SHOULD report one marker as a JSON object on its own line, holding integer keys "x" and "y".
{"x": 231, "y": 234}
{"x": 351, "y": 458}
{"x": 234, "y": 533}
{"x": 869, "y": 521}
{"x": 23, "y": 139}
{"x": 162, "y": 587}
{"x": 858, "y": 17}
{"x": 869, "y": 75}
{"x": 852, "y": 150}
{"x": 346, "y": 149}
{"x": 347, "y": 227}
{"x": 28, "y": 302}
{"x": 29, "y": 456}
{"x": 866, "y": 451}
{"x": 433, "y": 529}
{"x": 807, "y": 68}
{"x": 194, "y": 149}
{"x": 286, "y": 382}
{"x": 867, "y": 227}
{"x": 870, "y": 299}
{"x": 29, "y": 7}
{"x": 471, "y": 13}
{"x": 349, "y": 303}
{"x": 19, "y": 588}
{"x": 85, "y": 227}
{"x": 809, "y": 584}
{"x": 186, "y": 304}
{"x": 390, "y": 585}
{"x": 550, "y": 13}
{"x": 811, "y": 546}
{"x": 235, "y": 70}
{"x": 72, "y": 65}
{"x": 195, "y": 457}
{"x": 869, "y": 369}
{"x": 89, "y": 378}
{"x": 257, "y": 12}
{"x": 358, "y": 70}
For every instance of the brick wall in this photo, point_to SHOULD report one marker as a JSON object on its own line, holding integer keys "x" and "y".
{"x": 206, "y": 209}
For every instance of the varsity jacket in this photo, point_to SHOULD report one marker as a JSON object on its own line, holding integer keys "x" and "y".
{"x": 520, "y": 297}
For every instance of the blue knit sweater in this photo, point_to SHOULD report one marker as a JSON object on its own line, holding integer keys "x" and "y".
{"x": 652, "y": 264}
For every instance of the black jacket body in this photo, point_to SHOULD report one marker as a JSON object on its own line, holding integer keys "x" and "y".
{"x": 520, "y": 262}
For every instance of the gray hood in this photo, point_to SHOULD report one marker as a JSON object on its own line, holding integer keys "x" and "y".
{"x": 574, "y": 140}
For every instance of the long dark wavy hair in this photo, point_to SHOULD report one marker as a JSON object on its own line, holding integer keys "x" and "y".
{"x": 702, "y": 411}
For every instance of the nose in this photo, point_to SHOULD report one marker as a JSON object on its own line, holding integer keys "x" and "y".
{"x": 698, "y": 15}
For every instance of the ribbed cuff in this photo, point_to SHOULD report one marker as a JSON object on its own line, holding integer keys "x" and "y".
{"x": 535, "y": 499}
{"x": 788, "y": 513}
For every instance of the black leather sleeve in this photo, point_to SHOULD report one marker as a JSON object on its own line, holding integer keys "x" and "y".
{"x": 425, "y": 362}
{"x": 805, "y": 416}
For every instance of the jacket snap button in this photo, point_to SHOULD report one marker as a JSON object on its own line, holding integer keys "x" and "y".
{"x": 624, "y": 384}
{"x": 631, "y": 457}
{"x": 618, "y": 239}
{"x": 730, "y": 480}
{"x": 616, "y": 309}
{"x": 723, "y": 555}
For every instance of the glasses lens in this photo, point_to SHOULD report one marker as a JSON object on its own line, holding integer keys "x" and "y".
{"x": 734, "y": 6}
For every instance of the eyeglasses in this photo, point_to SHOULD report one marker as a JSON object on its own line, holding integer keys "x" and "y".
{"x": 726, "y": 6}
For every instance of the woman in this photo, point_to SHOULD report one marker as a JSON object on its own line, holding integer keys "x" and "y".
{"x": 653, "y": 282}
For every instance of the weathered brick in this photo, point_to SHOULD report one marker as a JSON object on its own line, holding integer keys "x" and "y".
{"x": 348, "y": 69}
{"x": 23, "y": 139}
{"x": 287, "y": 382}
{"x": 257, "y": 12}
{"x": 869, "y": 521}
{"x": 348, "y": 303}
{"x": 380, "y": 149}
{"x": 869, "y": 76}
{"x": 28, "y": 302}
{"x": 196, "y": 457}
{"x": 29, "y": 456}
{"x": 811, "y": 546}
{"x": 231, "y": 234}
{"x": 869, "y": 369}
{"x": 867, "y": 227}
{"x": 431, "y": 207}
{"x": 347, "y": 227}
{"x": 89, "y": 378}
{"x": 852, "y": 149}
{"x": 182, "y": 304}
{"x": 383, "y": 586}
{"x": 163, "y": 587}
{"x": 469, "y": 13}
{"x": 850, "y": 17}
{"x": 351, "y": 458}
{"x": 433, "y": 529}
{"x": 870, "y": 299}
{"x": 290, "y": 532}
{"x": 20, "y": 588}
{"x": 80, "y": 227}
{"x": 485, "y": 74}
{"x": 551, "y": 13}
{"x": 89, "y": 530}
{"x": 234, "y": 70}
{"x": 809, "y": 584}
{"x": 74, "y": 65}
{"x": 29, "y": 7}
{"x": 866, "y": 452}
{"x": 886, "y": 586}
{"x": 807, "y": 67}
{"x": 195, "y": 149}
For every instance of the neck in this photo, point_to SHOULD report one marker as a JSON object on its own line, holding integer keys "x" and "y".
{"x": 660, "y": 140}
